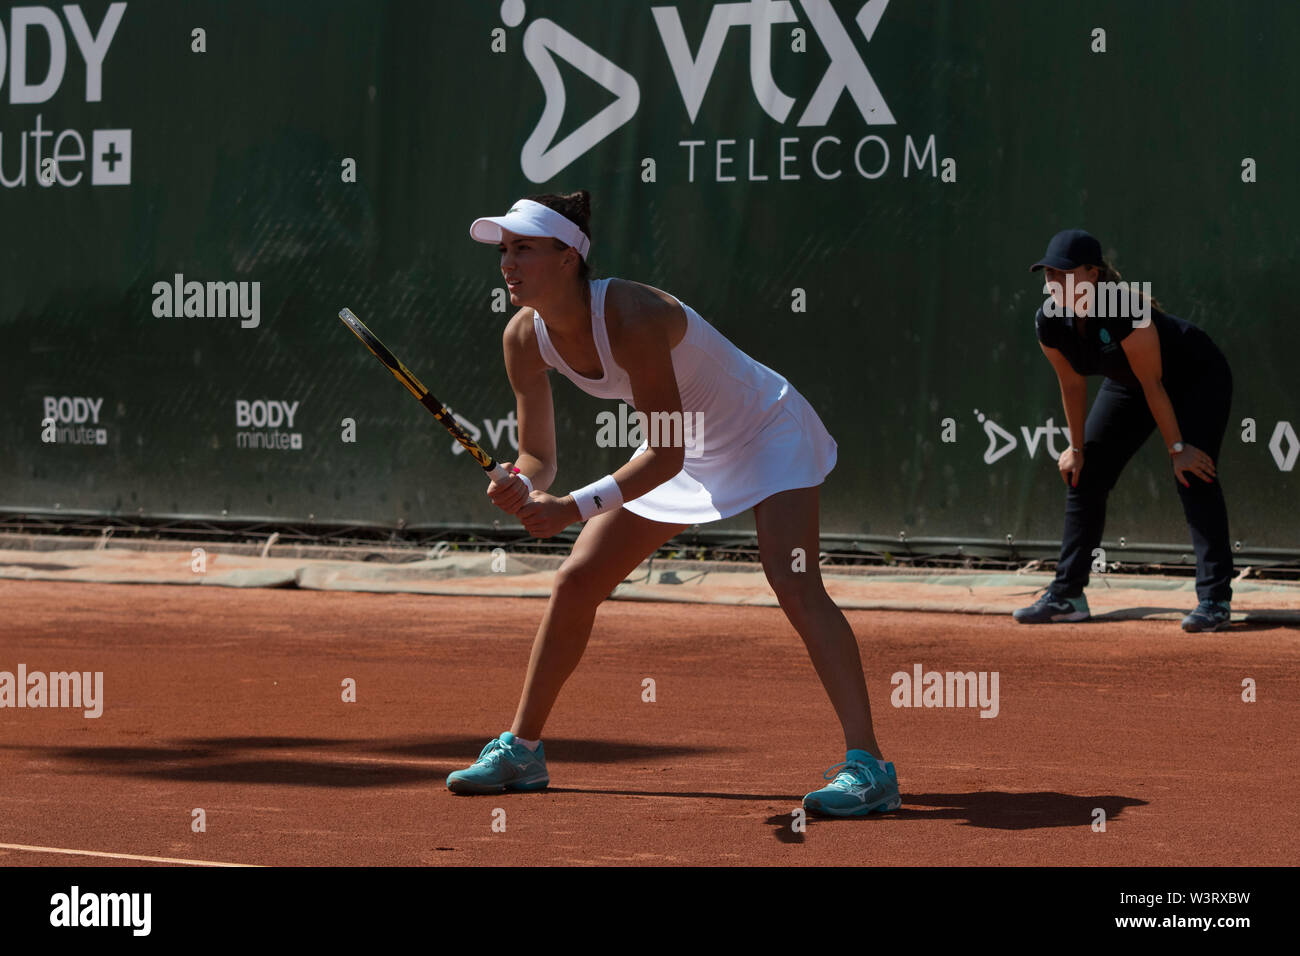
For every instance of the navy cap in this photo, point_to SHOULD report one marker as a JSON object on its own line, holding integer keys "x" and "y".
{"x": 1070, "y": 249}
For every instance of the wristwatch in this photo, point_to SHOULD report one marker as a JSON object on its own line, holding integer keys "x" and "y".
{"x": 1175, "y": 448}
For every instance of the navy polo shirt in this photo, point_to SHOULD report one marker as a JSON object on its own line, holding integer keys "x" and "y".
{"x": 1185, "y": 349}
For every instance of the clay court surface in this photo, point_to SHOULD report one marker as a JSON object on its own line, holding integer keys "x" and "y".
{"x": 230, "y": 700}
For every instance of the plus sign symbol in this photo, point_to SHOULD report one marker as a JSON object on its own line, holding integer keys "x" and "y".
{"x": 110, "y": 157}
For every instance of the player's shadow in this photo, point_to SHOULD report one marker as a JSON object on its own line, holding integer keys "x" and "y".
{"x": 324, "y": 762}
{"x": 463, "y": 750}
{"x": 230, "y": 761}
{"x": 997, "y": 810}
{"x": 787, "y": 828}
{"x": 680, "y": 794}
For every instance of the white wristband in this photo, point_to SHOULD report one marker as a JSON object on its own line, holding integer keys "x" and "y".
{"x": 524, "y": 478}
{"x": 598, "y": 497}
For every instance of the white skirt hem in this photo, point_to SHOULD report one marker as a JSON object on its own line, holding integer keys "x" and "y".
{"x": 794, "y": 451}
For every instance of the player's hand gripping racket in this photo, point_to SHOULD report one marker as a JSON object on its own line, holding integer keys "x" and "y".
{"x": 427, "y": 398}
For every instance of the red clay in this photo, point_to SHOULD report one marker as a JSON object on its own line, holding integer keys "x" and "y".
{"x": 230, "y": 700}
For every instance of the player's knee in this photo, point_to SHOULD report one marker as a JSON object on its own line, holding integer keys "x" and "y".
{"x": 580, "y": 581}
{"x": 796, "y": 590}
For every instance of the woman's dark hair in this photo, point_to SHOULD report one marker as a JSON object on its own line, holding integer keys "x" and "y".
{"x": 576, "y": 207}
{"x": 1107, "y": 272}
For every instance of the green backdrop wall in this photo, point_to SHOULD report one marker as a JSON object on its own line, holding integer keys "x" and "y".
{"x": 820, "y": 132}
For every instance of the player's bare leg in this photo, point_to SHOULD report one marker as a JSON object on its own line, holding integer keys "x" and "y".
{"x": 790, "y": 520}
{"x": 608, "y": 549}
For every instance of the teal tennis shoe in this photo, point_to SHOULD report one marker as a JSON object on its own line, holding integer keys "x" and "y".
{"x": 861, "y": 787}
{"x": 502, "y": 765}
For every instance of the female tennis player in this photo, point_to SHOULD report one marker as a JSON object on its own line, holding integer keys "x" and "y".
{"x": 761, "y": 446}
{"x": 1163, "y": 373}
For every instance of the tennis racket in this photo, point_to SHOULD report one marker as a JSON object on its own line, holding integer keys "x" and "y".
{"x": 426, "y": 397}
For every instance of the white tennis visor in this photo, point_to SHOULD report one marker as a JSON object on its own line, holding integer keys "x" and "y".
{"x": 529, "y": 218}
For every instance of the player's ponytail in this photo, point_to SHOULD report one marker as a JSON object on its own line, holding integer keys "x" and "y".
{"x": 576, "y": 207}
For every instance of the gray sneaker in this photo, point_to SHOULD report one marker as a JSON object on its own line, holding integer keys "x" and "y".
{"x": 1209, "y": 616}
{"x": 1052, "y": 608}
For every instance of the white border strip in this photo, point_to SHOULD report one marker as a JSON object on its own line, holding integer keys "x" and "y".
{"x": 116, "y": 856}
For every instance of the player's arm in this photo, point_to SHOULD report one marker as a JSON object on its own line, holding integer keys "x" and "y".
{"x": 641, "y": 348}
{"x": 1142, "y": 349}
{"x": 1074, "y": 393}
{"x": 533, "y": 405}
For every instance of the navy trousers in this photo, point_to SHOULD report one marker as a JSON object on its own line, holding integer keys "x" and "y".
{"x": 1118, "y": 424}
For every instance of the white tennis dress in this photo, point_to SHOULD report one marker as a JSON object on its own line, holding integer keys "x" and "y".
{"x": 758, "y": 435}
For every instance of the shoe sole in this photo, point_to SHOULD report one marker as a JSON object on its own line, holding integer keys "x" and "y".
{"x": 880, "y": 806}
{"x": 1194, "y": 629}
{"x": 466, "y": 787}
{"x": 1073, "y": 617}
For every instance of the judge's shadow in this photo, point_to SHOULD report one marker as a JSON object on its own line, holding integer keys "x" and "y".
{"x": 1256, "y": 619}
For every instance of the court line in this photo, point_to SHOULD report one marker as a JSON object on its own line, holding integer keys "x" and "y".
{"x": 116, "y": 856}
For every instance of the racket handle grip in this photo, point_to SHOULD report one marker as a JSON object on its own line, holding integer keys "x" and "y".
{"x": 497, "y": 473}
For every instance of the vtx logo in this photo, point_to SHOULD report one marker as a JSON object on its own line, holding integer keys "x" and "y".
{"x": 542, "y": 158}
{"x": 1283, "y": 433}
{"x": 1002, "y": 442}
